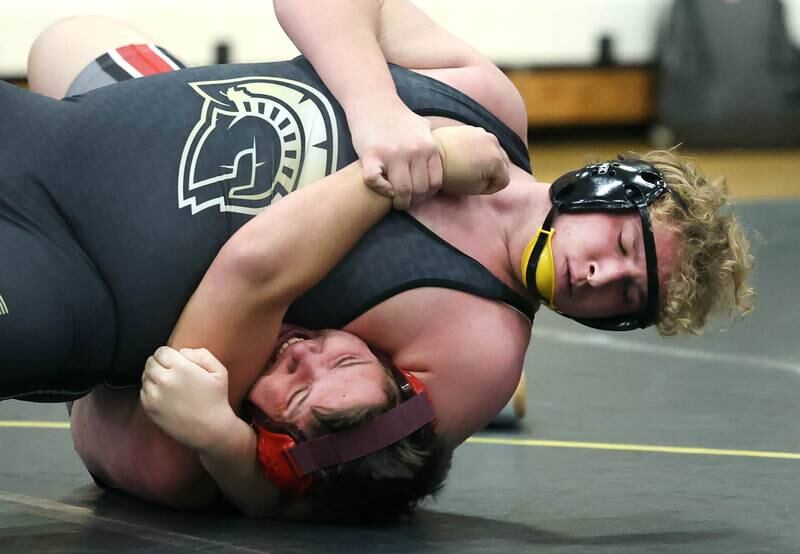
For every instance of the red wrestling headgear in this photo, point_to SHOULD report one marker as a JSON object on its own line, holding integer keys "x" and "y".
{"x": 289, "y": 459}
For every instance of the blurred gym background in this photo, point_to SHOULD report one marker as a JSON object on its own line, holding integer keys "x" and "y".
{"x": 722, "y": 77}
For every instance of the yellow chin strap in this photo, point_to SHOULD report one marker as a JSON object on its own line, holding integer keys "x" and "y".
{"x": 545, "y": 270}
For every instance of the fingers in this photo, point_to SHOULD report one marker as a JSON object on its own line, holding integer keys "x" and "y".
{"x": 381, "y": 185}
{"x": 435, "y": 172}
{"x": 153, "y": 372}
{"x": 498, "y": 177}
{"x": 400, "y": 178}
{"x": 374, "y": 176}
{"x": 153, "y": 376}
{"x": 159, "y": 365}
{"x": 409, "y": 178}
{"x": 420, "y": 182}
{"x": 167, "y": 357}
{"x": 167, "y": 361}
{"x": 147, "y": 398}
{"x": 399, "y": 155}
{"x": 204, "y": 359}
{"x": 498, "y": 180}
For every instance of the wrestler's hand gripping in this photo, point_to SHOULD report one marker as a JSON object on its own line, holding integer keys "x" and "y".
{"x": 186, "y": 394}
{"x": 399, "y": 156}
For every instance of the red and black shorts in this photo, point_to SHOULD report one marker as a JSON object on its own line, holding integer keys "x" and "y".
{"x": 127, "y": 62}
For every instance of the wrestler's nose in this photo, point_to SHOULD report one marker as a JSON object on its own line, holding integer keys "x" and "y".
{"x": 304, "y": 355}
{"x": 598, "y": 275}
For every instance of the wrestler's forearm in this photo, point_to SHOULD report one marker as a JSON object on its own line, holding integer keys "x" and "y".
{"x": 233, "y": 464}
{"x": 290, "y": 246}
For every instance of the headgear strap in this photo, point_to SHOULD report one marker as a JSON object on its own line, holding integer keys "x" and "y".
{"x": 651, "y": 259}
{"x": 376, "y": 434}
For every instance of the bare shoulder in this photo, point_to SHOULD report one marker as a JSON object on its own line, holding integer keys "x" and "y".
{"x": 488, "y": 85}
{"x": 469, "y": 351}
{"x": 478, "y": 376}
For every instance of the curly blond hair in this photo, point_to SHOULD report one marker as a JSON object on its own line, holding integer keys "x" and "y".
{"x": 714, "y": 263}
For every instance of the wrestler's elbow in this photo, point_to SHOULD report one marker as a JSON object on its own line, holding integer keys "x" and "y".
{"x": 180, "y": 489}
{"x": 269, "y": 275}
{"x": 166, "y": 473}
{"x": 245, "y": 264}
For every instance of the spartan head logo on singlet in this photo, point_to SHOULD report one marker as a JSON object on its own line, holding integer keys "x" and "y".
{"x": 257, "y": 140}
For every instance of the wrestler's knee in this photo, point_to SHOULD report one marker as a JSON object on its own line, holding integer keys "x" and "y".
{"x": 64, "y": 48}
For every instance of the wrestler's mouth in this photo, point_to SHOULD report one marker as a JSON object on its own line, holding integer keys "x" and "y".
{"x": 289, "y": 335}
{"x": 288, "y": 343}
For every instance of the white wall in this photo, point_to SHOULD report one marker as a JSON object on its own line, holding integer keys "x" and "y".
{"x": 511, "y": 32}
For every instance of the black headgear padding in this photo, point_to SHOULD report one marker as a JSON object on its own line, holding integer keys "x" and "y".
{"x": 623, "y": 184}
{"x": 604, "y": 186}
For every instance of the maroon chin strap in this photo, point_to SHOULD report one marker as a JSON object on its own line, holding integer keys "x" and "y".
{"x": 345, "y": 446}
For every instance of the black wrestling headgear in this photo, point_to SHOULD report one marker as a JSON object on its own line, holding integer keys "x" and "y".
{"x": 624, "y": 184}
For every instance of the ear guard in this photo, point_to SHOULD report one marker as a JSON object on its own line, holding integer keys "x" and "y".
{"x": 537, "y": 263}
{"x": 289, "y": 459}
{"x": 615, "y": 185}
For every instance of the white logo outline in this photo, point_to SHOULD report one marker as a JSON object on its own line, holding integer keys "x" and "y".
{"x": 303, "y": 118}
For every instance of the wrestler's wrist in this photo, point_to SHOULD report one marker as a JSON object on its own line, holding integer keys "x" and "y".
{"x": 217, "y": 430}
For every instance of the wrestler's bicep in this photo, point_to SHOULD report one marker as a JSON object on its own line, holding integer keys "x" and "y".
{"x": 476, "y": 369}
{"x": 411, "y": 39}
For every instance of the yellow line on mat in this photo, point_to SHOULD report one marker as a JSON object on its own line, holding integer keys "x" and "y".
{"x": 693, "y": 451}
{"x": 638, "y": 448}
{"x": 36, "y": 424}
